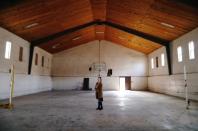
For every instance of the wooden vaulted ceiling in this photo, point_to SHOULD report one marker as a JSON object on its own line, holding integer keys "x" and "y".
{"x": 37, "y": 19}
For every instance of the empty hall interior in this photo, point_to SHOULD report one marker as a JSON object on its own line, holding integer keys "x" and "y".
{"x": 54, "y": 52}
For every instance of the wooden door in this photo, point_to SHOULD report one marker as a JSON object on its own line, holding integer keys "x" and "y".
{"x": 128, "y": 83}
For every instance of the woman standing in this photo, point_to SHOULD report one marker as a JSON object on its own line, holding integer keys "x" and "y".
{"x": 99, "y": 93}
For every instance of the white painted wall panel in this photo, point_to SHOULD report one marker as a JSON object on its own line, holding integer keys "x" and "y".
{"x": 139, "y": 83}
{"x": 72, "y": 83}
{"x": 174, "y": 85}
{"x": 24, "y": 84}
{"x": 191, "y": 65}
{"x": 161, "y": 70}
{"x": 38, "y": 69}
{"x": 109, "y": 83}
{"x": 71, "y": 66}
{"x": 17, "y": 42}
{"x": 160, "y": 81}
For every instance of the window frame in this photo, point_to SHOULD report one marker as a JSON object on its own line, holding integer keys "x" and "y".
{"x": 156, "y": 61}
{"x": 42, "y": 61}
{"x": 191, "y": 50}
{"x": 36, "y": 59}
{"x": 8, "y": 50}
{"x": 162, "y": 60}
{"x": 152, "y": 63}
{"x": 21, "y": 54}
{"x": 179, "y": 54}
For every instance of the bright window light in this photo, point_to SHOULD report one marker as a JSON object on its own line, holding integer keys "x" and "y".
{"x": 179, "y": 53}
{"x": 191, "y": 50}
{"x": 8, "y": 50}
{"x": 152, "y": 63}
{"x": 122, "y": 84}
{"x": 162, "y": 60}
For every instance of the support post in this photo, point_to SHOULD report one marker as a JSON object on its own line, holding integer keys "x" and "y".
{"x": 9, "y": 105}
{"x": 30, "y": 58}
{"x": 99, "y": 58}
{"x": 11, "y": 86}
{"x": 168, "y": 58}
{"x": 186, "y": 89}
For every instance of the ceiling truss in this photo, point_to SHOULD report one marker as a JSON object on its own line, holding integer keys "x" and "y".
{"x": 97, "y": 22}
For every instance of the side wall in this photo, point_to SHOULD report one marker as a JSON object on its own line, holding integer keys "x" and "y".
{"x": 160, "y": 81}
{"x": 24, "y": 83}
{"x": 38, "y": 69}
{"x": 71, "y": 66}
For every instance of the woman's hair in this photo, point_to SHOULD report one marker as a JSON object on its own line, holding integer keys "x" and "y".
{"x": 100, "y": 78}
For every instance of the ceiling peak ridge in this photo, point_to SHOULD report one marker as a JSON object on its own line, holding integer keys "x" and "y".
{"x": 101, "y": 22}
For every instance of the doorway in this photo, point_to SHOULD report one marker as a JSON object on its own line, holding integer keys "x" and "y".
{"x": 125, "y": 83}
{"x": 128, "y": 83}
{"x": 122, "y": 83}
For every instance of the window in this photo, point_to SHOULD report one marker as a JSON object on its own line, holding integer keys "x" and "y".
{"x": 47, "y": 62}
{"x": 179, "y": 53}
{"x": 157, "y": 65}
{"x": 36, "y": 59}
{"x": 152, "y": 63}
{"x": 162, "y": 60}
{"x": 21, "y": 54}
{"x": 42, "y": 61}
{"x": 8, "y": 50}
{"x": 191, "y": 50}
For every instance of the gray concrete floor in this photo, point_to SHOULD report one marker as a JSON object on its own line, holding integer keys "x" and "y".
{"x": 75, "y": 110}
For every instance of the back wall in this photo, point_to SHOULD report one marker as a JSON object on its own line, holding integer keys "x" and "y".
{"x": 71, "y": 66}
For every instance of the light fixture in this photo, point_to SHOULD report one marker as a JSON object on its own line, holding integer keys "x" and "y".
{"x": 167, "y": 25}
{"x": 98, "y": 66}
{"x": 99, "y": 32}
{"x": 99, "y": 57}
{"x": 122, "y": 38}
{"x": 76, "y": 38}
{"x": 55, "y": 46}
{"x": 31, "y": 25}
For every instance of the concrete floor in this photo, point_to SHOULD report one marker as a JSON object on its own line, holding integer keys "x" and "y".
{"x": 75, "y": 110}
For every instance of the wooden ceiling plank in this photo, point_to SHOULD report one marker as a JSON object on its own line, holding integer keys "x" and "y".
{"x": 54, "y": 36}
{"x": 99, "y": 9}
{"x": 138, "y": 33}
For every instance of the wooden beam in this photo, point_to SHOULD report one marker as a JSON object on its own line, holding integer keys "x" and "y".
{"x": 191, "y": 3}
{"x": 97, "y": 22}
{"x": 51, "y": 37}
{"x": 9, "y": 3}
{"x": 59, "y": 34}
{"x": 137, "y": 33}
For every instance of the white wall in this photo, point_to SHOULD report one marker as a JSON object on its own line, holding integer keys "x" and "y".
{"x": 38, "y": 69}
{"x": 109, "y": 83}
{"x": 191, "y": 65}
{"x": 17, "y": 42}
{"x": 69, "y": 69}
{"x": 70, "y": 83}
{"x": 24, "y": 83}
{"x": 160, "y": 81}
{"x": 174, "y": 85}
{"x": 161, "y": 70}
{"x": 71, "y": 66}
